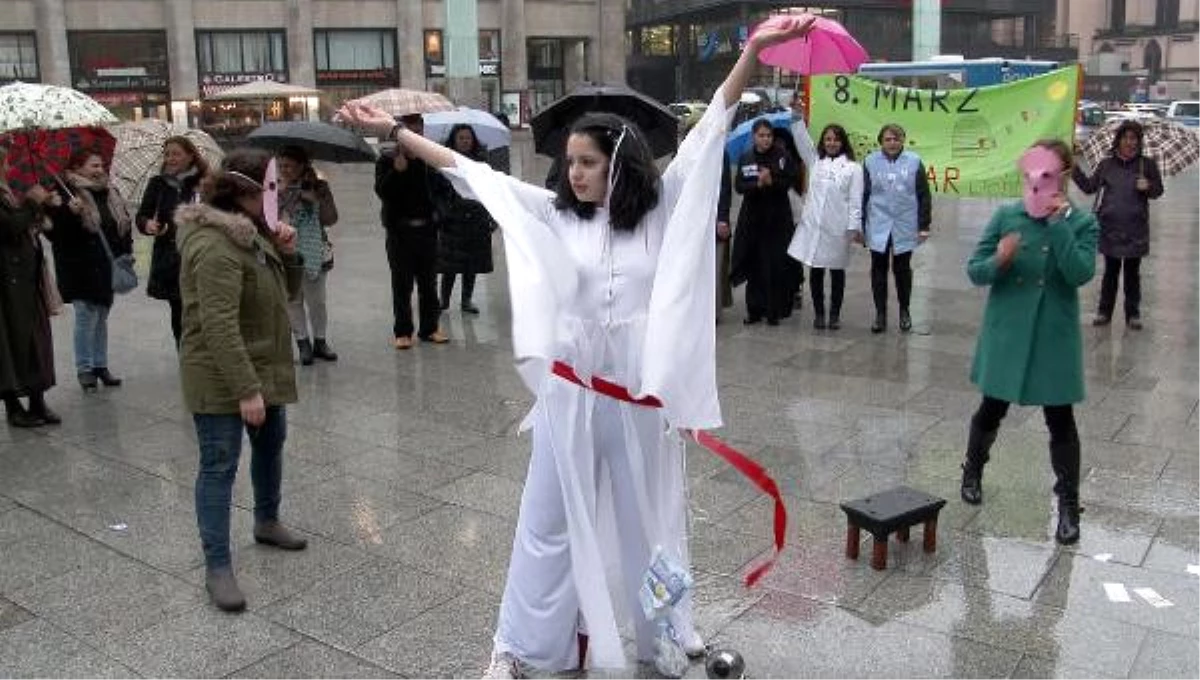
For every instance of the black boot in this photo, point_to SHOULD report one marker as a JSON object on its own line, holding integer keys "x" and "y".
{"x": 38, "y": 409}
{"x": 87, "y": 380}
{"x": 905, "y": 321}
{"x": 880, "y": 323}
{"x": 1064, "y": 460}
{"x": 835, "y": 319}
{"x": 979, "y": 446}
{"x": 106, "y": 377}
{"x": 322, "y": 350}
{"x": 306, "y": 351}
{"x": 18, "y": 416}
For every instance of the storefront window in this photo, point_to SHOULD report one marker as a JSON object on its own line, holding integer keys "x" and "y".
{"x": 241, "y": 52}
{"x": 546, "y": 74}
{"x": 226, "y": 59}
{"x": 127, "y": 71}
{"x": 658, "y": 41}
{"x": 354, "y": 63}
{"x": 18, "y": 57}
{"x": 489, "y": 68}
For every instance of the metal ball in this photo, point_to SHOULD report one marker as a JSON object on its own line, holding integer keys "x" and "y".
{"x": 725, "y": 663}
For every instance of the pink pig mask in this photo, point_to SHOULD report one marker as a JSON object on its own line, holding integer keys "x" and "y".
{"x": 1041, "y": 173}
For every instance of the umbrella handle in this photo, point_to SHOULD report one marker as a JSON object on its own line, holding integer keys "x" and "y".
{"x": 59, "y": 181}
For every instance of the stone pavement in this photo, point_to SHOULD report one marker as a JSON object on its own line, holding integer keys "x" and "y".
{"x": 404, "y": 470}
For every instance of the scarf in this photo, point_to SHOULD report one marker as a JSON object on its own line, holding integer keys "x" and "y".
{"x": 91, "y": 212}
{"x": 176, "y": 182}
{"x": 310, "y": 237}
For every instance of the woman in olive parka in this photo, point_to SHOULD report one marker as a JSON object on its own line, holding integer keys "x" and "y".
{"x": 1034, "y": 256}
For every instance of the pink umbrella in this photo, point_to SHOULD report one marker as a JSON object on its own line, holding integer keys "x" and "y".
{"x": 828, "y": 48}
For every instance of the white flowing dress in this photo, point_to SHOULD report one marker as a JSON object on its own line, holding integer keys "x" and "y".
{"x": 606, "y": 483}
{"x": 832, "y": 206}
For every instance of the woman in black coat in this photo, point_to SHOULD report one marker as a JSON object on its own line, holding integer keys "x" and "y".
{"x": 175, "y": 185}
{"x": 764, "y": 228}
{"x": 464, "y": 228}
{"x": 1126, "y": 180}
{"x": 26, "y": 346}
{"x": 90, "y": 211}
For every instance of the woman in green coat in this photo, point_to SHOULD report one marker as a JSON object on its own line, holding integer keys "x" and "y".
{"x": 1034, "y": 256}
{"x": 235, "y": 357}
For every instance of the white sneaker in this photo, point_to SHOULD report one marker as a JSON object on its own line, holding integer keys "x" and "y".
{"x": 503, "y": 665}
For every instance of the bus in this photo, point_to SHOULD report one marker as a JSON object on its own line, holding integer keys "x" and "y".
{"x": 954, "y": 72}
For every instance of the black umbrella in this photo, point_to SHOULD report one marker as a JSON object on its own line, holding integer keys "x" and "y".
{"x": 322, "y": 141}
{"x": 550, "y": 126}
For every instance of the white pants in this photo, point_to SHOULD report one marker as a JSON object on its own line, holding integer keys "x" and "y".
{"x": 312, "y": 295}
{"x": 540, "y": 613}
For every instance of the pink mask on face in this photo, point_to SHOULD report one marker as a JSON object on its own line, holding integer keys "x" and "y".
{"x": 1041, "y": 170}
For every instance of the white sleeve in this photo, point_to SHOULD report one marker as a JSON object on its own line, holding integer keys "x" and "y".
{"x": 542, "y": 278}
{"x": 804, "y": 143}
{"x": 854, "y": 209}
{"x": 704, "y": 144}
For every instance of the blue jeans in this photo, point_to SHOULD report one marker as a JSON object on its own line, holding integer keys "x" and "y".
{"x": 91, "y": 336}
{"x": 220, "y": 439}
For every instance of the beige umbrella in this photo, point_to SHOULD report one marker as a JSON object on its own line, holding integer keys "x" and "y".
{"x": 138, "y": 155}
{"x": 404, "y": 102}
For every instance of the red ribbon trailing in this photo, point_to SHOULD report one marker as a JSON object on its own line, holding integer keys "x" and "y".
{"x": 749, "y": 468}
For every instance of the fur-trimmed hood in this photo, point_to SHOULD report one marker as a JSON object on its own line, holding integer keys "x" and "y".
{"x": 237, "y": 228}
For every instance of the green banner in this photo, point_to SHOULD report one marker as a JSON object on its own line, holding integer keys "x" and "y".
{"x": 969, "y": 139}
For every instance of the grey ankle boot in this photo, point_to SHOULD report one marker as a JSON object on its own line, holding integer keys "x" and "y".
{"x": 274, "y": 533}
{"x": 223, "y": 590}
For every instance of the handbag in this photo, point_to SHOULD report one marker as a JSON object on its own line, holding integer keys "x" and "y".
{"x": 326, "y": 251}
{"x": 124, "y": 278}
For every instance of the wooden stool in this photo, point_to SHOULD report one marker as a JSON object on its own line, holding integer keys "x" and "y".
{"x": 894, "y": 510}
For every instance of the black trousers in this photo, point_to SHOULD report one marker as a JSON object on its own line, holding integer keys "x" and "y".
{"x": 837, "y": 289}
{"x": 412, "y": 257}
{"x": 1060, "y": 420}
{"x": 176, "y": 318}
{"x": 902, "y": 270}
{"x": 1133, "y": 286}
{"x": 468, "y": 288}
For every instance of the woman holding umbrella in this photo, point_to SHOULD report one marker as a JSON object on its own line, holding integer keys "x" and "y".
{"x": 612, "y": 276}
{"x": 764, "y": 175}
{"x": 90, "y": 211}
{"x": 1126, "y": 180}
{"x": 26, "y": 346}
{"x": 306, "y": 203}
{"x": 176, "y": 184}
{"x": 465, "y": 227}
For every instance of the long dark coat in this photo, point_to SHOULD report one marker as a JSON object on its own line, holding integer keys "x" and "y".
{"x": 83, "y": 270}
{"x": 26, "y": 346}
{"x": 1123, "y": 211}
{"x": 159, "y": 204}
{"x": 1030, "y": 346}
{"x": 464, "y": 233}
{"x": 764, "y": 229}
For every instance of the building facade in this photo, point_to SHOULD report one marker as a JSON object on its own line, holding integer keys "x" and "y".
{"x": 1136, "y": 49}
{"x": 679, "y": 49}
{"x": 164, "y": 58}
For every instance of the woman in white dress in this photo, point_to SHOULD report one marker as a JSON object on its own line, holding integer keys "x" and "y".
{"x": 606, "y": 485}
{"x": 831, "y": 219}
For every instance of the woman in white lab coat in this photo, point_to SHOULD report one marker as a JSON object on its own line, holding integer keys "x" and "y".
{"x": 831, "y": 219}
{"x": 606, "y": 485}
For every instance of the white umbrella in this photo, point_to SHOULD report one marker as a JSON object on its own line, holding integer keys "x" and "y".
{"x": 491, "y": 132}
{"x": 28, "y": 106}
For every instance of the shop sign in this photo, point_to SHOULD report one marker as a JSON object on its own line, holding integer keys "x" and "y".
{"x": 488, "y": 68}
{"x": 215, "y": 83}
{"x": 376, "y": 76}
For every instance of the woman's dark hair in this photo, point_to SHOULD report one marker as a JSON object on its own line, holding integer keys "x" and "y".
{"x": 892, "y": 128}
{"x": 476, "y": 148}
{"x": 241, "y": 174}
{"x": 296, "y": 154}
{"x": 82, "y": 155}
{"x": 635, "y": 186}
{"x": 1060, "y": 149}
{"x": 189, "y": 147}
{"x": 839, "y": 132}
{"x": 1126, "y": 126}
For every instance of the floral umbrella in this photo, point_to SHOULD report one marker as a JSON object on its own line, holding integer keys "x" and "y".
{"x": 37, "y": 155}
{"x": 404, "y": 102}
{"x": 43, "y": 125}
{"x": 28, "y": 106}
{"x": 139, "y": 157}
